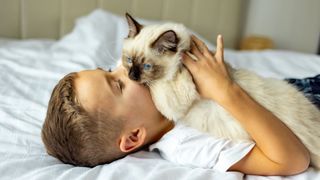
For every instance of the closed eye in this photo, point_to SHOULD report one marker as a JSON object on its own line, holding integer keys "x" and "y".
{"x": 115, "y": 85}
{"x": 120, "y": 85}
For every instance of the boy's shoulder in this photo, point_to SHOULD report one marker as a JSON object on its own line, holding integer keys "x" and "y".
{"x": 177, "y": 136}
{"x": 187, "y": 146}
{"x": 182, "y": 132}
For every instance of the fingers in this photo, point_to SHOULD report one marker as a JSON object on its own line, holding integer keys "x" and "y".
{"x": 195, "y": 51}
{"x": 201, "y": 46}
{"x": 212, "y": 53}
{"x": 219, "y": 53}
{"x": 188, "y": 62}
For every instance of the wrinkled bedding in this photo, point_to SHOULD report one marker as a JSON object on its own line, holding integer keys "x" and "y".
{"x": 29, "y": 70}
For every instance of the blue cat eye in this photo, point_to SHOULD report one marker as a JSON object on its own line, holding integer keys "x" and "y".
{"x": 129, "y": 60}
{"x": 147, "y": 66}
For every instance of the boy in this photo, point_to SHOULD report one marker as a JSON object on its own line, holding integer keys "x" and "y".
{"x": 96, "y": 117}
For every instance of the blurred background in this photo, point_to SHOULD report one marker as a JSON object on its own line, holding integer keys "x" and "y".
{"x": 246, "y": 24}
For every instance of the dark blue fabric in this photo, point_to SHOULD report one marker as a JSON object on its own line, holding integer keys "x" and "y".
{"x": 309, "y": 86}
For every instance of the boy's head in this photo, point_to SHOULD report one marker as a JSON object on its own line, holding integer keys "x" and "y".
{"x": 96, "y": 116}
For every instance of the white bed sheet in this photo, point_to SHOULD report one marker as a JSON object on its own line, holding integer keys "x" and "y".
{"x": 30, "y": 69}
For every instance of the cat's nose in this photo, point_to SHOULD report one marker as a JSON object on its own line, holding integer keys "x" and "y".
{"x": 134, "y": 75}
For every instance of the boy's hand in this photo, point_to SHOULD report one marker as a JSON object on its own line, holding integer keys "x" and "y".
{"x": 209, "y": 72}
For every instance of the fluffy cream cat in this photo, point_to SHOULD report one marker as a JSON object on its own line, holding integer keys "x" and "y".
{"x": 151, "y": 55}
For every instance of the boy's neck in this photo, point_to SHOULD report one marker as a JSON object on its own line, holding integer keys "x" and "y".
{"x": 165, "y": 127}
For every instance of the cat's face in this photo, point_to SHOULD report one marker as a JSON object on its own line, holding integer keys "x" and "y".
{"x": 142, "y": 68}
{"x": 153, "y": 52}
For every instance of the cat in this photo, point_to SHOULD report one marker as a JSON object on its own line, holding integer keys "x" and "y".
{"x": 152, "y": 56}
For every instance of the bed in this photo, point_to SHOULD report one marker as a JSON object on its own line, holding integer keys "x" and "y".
{"x": 29, "y": 69}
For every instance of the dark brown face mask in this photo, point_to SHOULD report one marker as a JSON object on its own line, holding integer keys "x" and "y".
{"x": 134, "y": 73}
{"x": 143, "y": 69}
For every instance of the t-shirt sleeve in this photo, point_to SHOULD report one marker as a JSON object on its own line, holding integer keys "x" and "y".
{"x": 186, "y": 146}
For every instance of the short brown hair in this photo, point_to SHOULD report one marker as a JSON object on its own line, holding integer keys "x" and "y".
{"x": 76, "y": 136}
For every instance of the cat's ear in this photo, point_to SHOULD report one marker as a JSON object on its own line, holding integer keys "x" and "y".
{"x": 166, "y": 41}
{"x": 134, "y": 26}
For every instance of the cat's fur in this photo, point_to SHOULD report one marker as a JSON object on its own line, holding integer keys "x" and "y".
{"x": 175, "y": 95}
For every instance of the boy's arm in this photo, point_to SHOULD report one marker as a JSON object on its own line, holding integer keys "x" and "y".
{"x": 278, "y": 151}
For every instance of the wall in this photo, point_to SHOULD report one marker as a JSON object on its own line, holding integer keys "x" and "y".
{"x": 25, "y": 19}
{"x": 291, "y": 24}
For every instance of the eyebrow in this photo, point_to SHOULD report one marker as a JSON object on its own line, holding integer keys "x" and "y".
{"x": 109, "y": 70}
{"x": 108, "y": 81}
{"x": 109, "y": 84}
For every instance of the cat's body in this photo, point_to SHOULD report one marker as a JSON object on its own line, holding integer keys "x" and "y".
{"x": 175, "y": 95}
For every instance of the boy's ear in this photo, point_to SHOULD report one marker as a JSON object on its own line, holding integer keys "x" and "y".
{"x": 133, "y": 139}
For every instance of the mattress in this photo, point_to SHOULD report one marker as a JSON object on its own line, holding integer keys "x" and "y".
{"x": 29, "y": 70}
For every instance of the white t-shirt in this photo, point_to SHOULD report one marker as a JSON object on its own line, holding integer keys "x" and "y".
{"x": 189, "y": 147}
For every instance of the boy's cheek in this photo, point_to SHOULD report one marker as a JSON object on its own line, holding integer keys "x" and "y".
{"x": 138, "y": 90}
{"x": 140, "y": 97}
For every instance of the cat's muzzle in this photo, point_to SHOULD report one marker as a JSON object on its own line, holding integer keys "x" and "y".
{"x": 134, "y": 74}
